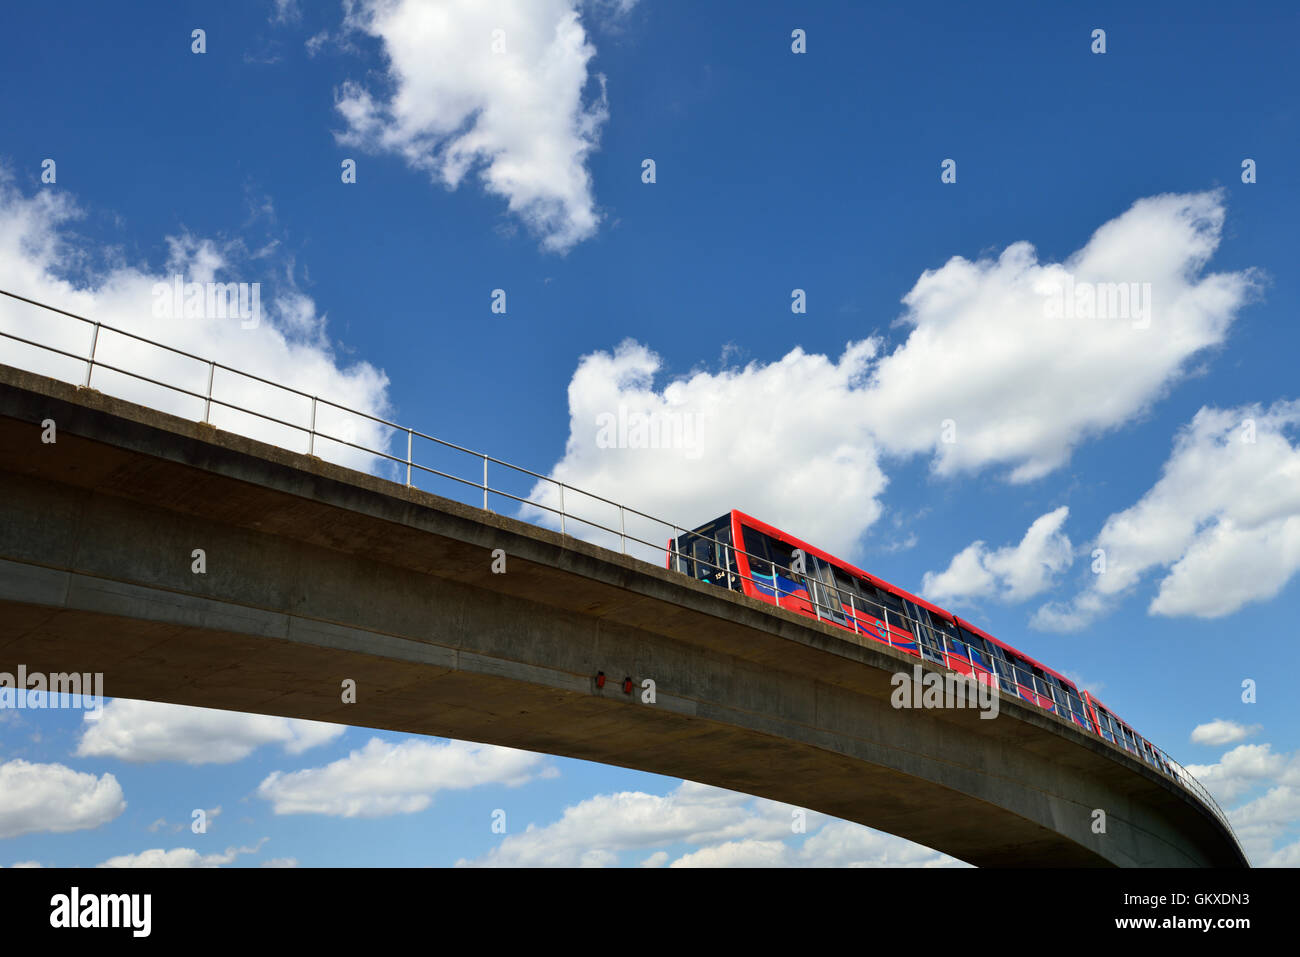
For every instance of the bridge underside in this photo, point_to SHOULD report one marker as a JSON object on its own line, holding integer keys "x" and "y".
{"x": 317, "y": 574}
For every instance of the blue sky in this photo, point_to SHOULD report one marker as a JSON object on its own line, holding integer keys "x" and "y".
{"x": 521, "y": 170}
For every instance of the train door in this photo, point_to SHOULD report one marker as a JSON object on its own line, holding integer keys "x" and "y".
{"x": 930, "y": 643}
{"x": 822, "y": 591}
{"x": 981, "y": 658}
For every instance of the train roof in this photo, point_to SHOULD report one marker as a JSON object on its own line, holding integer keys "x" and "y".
{"x": 1097, "y": 701}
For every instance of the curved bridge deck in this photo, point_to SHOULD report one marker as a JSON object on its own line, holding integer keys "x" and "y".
{"x": 317, "y": 574}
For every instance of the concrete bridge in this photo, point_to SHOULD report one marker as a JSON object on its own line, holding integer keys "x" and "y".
{"x": 316, "y": 574}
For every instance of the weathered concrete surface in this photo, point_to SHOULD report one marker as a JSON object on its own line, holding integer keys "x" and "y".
{"x": 316, "y": 574}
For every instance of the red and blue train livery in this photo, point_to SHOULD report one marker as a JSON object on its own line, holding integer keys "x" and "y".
{"x": 740, "y": 553}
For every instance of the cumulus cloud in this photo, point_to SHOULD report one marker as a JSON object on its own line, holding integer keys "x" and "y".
{"x": 988, "y": 376}
{"x": 41, "y": 258}
{"x": 1219, "y": 732}
{"x": 180, "y": 857}
{"x": 55, "y": 798}
{"x": 1012, "y": 573}
{"x": 735, "y": 830}
{"x": 1239, "y": 770}
{"x": 1022, "y": 384}
{"x": 497, "y": 86}
{"x": 713, "y": 442}
{"x": 1268, "y": 824}
{"x": 151, "y": 731}
{"x": 385, "y": 778}
{"x": 1222, "y": 522}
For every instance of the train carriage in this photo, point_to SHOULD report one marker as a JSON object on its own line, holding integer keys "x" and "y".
{"x": 738, "y": 552}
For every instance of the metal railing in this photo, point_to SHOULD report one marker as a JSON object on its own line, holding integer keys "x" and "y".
{"x": 942, "y": 647}
{"x": 920, "y": 634}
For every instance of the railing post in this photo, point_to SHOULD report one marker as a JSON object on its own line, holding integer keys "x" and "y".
{"x": 562, "y": 508}
{"x": 853, "y": 613}
{"x": 311, "y": 446}
{"x": 622, "y": 528}
{"x": 485, "y": 485}
{"x": 207, "y": 403}
{"x": 409, "y": 438}
{"x": 90, "y": 363}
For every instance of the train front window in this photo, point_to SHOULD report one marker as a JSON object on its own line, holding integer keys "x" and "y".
{"x": 759, "y": 557}
{"x": 706, "y": 554}
{"x": 702, "y": 553}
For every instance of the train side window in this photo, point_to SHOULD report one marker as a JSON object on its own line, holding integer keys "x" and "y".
{"x": 783, "y": 556}
{"x": 891, "y": 602}
{"x": 1006, "y": 674}
{"x": 975, "y": 643}
{"x": 849, "y": 585}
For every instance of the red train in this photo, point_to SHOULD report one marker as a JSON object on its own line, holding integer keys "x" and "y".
{"x": 741, "y": 553}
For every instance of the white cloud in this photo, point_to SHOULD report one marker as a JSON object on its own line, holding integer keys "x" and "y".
{"x": 509, "y": 104}
{"x": 286, "y": 11}
{"x": 730, "y": 829}
{"x": 737, "y": 439}
{"x": 1013, "y": 572}
{"x": 843, "y": 844}
{"x": 1223, "y": 521}
{"x": 798, "y": 441}
{"x": 1239, "y": 770}
{"x": 44, "y": 260}
{"x": 1219, "y": 731}
{"x": 1024, "y": 388}
{"x": 180, "y": 857}
{"x": 1261, "y": 823}
{"x": 739, "y": 854}
{"x": 1267, "y": 825}
{"x": 385, "y": 778}
{"x": 1288, "y": 856}
{"x": 281, "y": 862}
{"x": 612, "y": 8}
{"x": 53, "y": 797}
{"x": 151, "y": 731}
